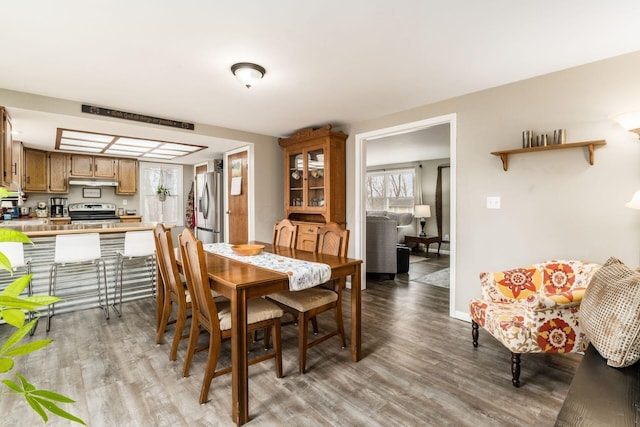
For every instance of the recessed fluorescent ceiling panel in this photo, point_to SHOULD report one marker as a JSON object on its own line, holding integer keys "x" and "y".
{"x": 76, "y": 140}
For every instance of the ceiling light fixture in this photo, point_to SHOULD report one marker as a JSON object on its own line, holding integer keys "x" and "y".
{"x": 248, "y": 73}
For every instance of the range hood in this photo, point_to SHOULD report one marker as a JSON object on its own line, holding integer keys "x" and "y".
{"x": 92, "y": 183}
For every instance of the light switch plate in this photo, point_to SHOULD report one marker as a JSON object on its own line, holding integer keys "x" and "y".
{"x": 493, "y": 202}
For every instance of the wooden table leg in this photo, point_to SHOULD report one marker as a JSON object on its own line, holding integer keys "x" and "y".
{"x": 356, "y": 315}
{"x": 239, "y": 368}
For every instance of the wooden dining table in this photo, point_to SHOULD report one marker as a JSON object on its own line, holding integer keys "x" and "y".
{"x": 239, "y": 281}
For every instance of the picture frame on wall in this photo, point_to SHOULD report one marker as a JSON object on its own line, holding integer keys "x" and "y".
{"x": 91, "y": 193}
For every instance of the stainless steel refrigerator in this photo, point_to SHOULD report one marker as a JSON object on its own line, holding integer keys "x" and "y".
{"x": 208, "y": 199}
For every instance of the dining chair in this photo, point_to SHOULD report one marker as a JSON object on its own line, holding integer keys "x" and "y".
{"x": 306, "y": 304}
{"x": 139, "y": 247}
{"x": 216, "y": 317}
{"x": 71, "y": 253}
{"x": 174, "y": 289}
{"x": 285, "y": 233}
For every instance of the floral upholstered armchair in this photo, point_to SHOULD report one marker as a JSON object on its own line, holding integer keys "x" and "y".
{"x": 533, "y": 309}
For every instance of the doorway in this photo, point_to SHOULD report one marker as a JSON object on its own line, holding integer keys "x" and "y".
{"x": 360, "y": 181}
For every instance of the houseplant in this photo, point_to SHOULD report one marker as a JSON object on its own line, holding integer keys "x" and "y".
{"x": 162, "y": 192}
{"x": 13, "y": 310}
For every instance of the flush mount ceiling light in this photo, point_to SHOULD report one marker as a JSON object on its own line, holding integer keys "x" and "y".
{"x": 92, "y": 142}
{"x": 247, "y": 72}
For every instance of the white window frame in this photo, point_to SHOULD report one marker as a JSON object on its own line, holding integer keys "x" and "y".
{"x": 151, "y": 175}
{"x": 386, "y": 173}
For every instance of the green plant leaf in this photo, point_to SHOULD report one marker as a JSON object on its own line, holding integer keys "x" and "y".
{"x": 6, "y": 364}
{"x": 4, "y": 193}
{"x": 13, "y": 386}
{"x": 17, "y": 286}
{"x": 51, "y": 395}
{"x": 26, "y": 385}
{"x": 14, "y": 317}
{"x": 17, "y": 336}
{"x": 16, "y": 302}
{"x": 37, "y": 407}
{"x": 55, "y": 409}
{"x": 21, "y": 350}
{"x": 5, "y": 264}
{"x": 9, "y": 235}
{"x": 42, "y": 300}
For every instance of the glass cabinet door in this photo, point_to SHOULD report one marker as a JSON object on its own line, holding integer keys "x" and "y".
{"x": 315, "y": 178}
{"x": 296, "y": 169}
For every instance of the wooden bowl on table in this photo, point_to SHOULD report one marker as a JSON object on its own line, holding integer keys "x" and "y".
{"x": 247, "y": 250}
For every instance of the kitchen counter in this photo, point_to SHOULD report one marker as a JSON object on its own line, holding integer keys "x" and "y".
{"x": 47, "y": 230}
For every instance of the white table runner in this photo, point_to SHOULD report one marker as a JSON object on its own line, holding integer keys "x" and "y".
{"x": 302, "y": 274}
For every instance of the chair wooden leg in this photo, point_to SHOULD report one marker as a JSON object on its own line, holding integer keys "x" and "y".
{"x": 210, "y": 368}
{"x": 340, "y": 324}
{"x": 177, "y": 335}
{"x": 194, "y": 334}
{"x": 267, "y": 336}
{"x": 515, "y": 369}
{"x": 277, "y": 346}
{"x": 474, "y": 333}
{"x": 302, "y": 342}
{"x": 314, "y": 323}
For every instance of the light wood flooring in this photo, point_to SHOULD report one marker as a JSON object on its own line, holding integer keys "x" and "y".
{"x": 419, "y": 369}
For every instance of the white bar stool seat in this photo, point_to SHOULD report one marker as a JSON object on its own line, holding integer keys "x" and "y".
{"x": 74, "y": 249}
{"x": 138, "y": 246}
{"x": 14, "y": 251}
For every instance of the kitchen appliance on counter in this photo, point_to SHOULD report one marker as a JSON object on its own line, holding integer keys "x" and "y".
{"x": 93, "y": 213}
{"x": 208, "y": 193}
{"x": 59, "y": 207}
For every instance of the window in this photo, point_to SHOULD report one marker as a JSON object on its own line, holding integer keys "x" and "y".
{"x": 152, "y": 208}
{"x": 391, "y": 190}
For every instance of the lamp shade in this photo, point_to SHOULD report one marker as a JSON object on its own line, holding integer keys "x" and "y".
{"x": 422, "y": 211}
{"x": 247, "y": 73}
{"x": 634, "y": 203}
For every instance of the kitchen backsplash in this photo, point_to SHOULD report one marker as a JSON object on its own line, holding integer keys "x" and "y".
{"x": 107, "y": 195}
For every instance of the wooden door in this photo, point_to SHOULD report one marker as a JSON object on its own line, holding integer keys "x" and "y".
{"x": 81, "y": 165}
{"x": 238, "y": 210}
{"x": 127, "y": 176}
{"x": 58, "y": 170}
{"x": 35, "y": 171}
{"x": 104, "y": 167}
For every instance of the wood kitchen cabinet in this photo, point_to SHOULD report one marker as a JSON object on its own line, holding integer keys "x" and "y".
{"x": 35, "y": 171}
{"x": 314, "y": 180}
{"x": 16, "y": 169}
{"x": 127, "y": 176}
{"x": 86, "y": 166}
{"x": 58, "y": 172}
{"x": 6, "y": 149}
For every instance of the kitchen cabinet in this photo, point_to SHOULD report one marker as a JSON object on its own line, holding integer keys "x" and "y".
{"x": 86, "y": 166}
{"x": 6, "y": 149}
{"x": 314, "y": 180}
{"x": 127, "y": 176}
{"x": 16, "y": 169}
{"x": 58, "y": 172}
{"x": 35, "y": 171}
{"x": 130, "y": 218}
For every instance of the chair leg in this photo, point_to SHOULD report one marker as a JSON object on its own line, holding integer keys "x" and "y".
{"x": 267, "y": 335}
{"x": 194, "y": 334}
{"x": 101, "y": 264}
{"x": 277, "y": 346}
{"x": 118, "y": 279}
{"x": 303, "y": 326}
{"x": 177, "y": 335}
{"x": 340, "y": 324}
{"x": 314, "y": 323}
{"x": 515, "y": 369}
{"x": 164, "y": 319}
{"x": 53, "y": 275}
{"x": 474, "y": 333}
{"x": 210, "y": 368}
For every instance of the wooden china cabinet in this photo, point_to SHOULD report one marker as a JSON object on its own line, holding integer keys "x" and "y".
{"x": 314, "y": 181}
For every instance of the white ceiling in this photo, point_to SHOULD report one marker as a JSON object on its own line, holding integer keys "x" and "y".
{"x": 336, "y": 62}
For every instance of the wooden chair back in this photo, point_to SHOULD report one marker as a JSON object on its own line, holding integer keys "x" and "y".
{"x": 332, "y": 240}
{"x": 195, "y": 269}
{"x": 167, "y": 264}
{"x": 285, "y": 233}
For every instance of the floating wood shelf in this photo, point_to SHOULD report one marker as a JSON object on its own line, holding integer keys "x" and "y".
{"x": 504, "y": 155}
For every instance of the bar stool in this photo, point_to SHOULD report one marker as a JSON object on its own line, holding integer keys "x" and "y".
{"x": 14, "y": 251}
{"x": 72, "y": 250}
{"x": 138, "y": 246}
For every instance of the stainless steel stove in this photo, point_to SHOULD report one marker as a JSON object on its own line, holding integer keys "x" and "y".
{"x": 93, "y": 213}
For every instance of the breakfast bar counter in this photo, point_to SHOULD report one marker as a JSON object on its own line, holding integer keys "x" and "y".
{"x": 48, "y": 230}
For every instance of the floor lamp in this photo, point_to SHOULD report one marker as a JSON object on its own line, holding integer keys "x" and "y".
{"x": 423, "y": 212}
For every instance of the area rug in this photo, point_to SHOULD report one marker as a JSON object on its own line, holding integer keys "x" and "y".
{"x": 416, "y": 258}
{"x": 440, "y": 278}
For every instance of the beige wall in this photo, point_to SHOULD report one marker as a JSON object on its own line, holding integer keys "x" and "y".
{"x": 554, "y": 204}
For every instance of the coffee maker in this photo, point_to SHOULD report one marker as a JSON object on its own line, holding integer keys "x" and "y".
{"x": 59, "y": 207}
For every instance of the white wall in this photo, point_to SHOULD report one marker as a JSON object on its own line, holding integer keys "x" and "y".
{"x": 554, "y": 204}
